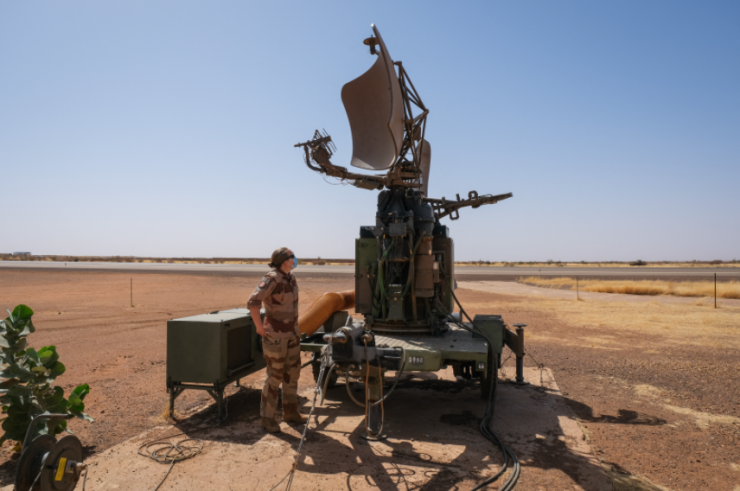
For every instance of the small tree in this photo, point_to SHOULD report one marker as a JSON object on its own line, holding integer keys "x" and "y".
{"x": 27, "y": 389}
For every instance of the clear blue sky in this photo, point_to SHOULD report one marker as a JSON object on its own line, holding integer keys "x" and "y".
{"x": 167, "y": 128}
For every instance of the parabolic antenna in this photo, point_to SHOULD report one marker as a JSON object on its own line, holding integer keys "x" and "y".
{"x": 374, "y": 106}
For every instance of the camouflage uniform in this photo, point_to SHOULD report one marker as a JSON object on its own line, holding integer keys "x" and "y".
{"x": 281, "y": 345}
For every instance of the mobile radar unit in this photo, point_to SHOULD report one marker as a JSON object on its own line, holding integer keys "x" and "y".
{"x": 404, "y": 262}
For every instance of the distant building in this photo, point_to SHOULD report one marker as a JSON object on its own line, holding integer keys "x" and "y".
{"x": 21, "y": 254}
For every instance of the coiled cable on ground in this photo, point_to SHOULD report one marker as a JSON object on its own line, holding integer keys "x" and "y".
{"x": 171, "y": 453}
{"x": 181, "y": 452}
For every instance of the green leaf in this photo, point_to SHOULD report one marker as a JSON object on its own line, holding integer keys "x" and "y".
{"x": 39, "y": 370}
{"x": 16, "y": 371}
{"x": 21, "y": 391}
{"x": 20, "y": 346}
{"x": 22, "y": 312}
{"x": 11, "y": 400}
{"x": 82, "y": 415}
{"x": 75, "y": 403}
{"x": 17, "y": 422}
{"x": 22, "y": 319}
{"x": 15, "y": 430}
{"x": 57, "y": 369}
{"x": 6, "y": 384}
{"x": 55, "y": 397}
{"x": 28, "y": 328}
{"x": 48, "y": 356}
{"x": 82, "y": 390}
{"x": 57, "y": 427}
{"x": 33, "y": 355}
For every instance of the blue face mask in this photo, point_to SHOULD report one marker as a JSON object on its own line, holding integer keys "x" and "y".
{"x": 295, "y": 262}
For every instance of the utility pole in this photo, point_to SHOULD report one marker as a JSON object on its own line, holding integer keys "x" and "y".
{"x": 715, "y": 290}
{"x": 132, "y": 293}
{"x": 578, "y": 295}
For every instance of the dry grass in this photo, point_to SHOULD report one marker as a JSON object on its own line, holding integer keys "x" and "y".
{"x": 603, "y": 264}
{"x": 166, "y": 414}
{"x": 729, "y": 289}
{"x": 598, "y": 324}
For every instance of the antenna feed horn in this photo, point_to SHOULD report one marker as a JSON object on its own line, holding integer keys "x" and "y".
{"x": 372, "y": 41}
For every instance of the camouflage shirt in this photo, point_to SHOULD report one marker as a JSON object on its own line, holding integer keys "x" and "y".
{"x": 278, "y": 292}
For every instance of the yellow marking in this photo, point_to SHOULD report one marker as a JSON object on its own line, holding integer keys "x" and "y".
{"x": 60, "y": 469}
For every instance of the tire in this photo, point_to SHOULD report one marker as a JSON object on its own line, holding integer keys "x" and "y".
{"x": 485, "y": 381}
{"x": 316, "y": 366}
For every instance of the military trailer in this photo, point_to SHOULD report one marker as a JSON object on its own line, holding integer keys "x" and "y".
{"x": 405, "y": 284}
{"x": 210, "y": 351}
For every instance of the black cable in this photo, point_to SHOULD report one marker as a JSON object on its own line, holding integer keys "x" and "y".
{"x": 486, "y": 423}
{"x": 182, "y": 452}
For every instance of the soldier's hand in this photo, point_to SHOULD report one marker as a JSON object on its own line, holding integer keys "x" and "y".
{"x": 260, "y": 328}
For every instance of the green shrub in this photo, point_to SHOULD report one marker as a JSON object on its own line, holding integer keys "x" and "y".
{"x": 28, "y": 375}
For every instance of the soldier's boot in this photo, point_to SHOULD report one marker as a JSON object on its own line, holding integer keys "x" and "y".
{"x": 295, "y": 417}
{"x": 291, "y": 414}
{"x": 270, "y": 425}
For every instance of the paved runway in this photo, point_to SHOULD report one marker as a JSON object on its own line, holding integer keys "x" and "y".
{"x": 305, "y": 269}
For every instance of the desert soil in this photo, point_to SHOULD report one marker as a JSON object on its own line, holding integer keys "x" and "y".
{"x": 657, "y": 413}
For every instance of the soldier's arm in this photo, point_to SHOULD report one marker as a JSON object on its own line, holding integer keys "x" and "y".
{"x": 257, "y": 319}
{"x": 265, "y": 288}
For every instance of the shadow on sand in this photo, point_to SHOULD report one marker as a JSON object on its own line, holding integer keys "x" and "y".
{"x": 528, "y": 419}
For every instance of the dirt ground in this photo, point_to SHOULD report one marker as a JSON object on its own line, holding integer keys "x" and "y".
{"x": 658, "y": 412}
{"x": 428, "y": 446}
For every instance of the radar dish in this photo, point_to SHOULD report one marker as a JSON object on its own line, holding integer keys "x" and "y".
{"x": 374, "y": 106}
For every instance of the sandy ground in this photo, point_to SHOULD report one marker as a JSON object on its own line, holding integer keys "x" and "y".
{"x": 653, "y": 414}
{"x": 433, "y": 447}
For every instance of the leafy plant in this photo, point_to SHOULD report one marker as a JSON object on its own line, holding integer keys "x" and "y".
{"x": 27, "y": 378}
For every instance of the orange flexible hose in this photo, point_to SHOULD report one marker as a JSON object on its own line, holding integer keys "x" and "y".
{"x": 320, "y": 311}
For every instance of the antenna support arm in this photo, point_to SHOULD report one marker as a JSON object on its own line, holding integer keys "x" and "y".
{"x": 319, "y": 151}
{"x": 444, "y": 207}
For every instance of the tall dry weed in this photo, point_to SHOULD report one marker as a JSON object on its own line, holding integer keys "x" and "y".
{"x": 725, "y": 289}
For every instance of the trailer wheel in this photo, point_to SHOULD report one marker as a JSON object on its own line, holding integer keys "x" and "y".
{"x": 491, "y": 373}
{"x": 316, "y": 366}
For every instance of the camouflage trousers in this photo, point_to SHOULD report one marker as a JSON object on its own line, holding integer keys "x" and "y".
{"x": 283, "y": 357}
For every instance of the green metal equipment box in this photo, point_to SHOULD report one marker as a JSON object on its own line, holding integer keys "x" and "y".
{"x": 209, "y": 351}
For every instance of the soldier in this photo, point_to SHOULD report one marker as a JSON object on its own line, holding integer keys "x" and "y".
{"x": 281, "y": 344}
